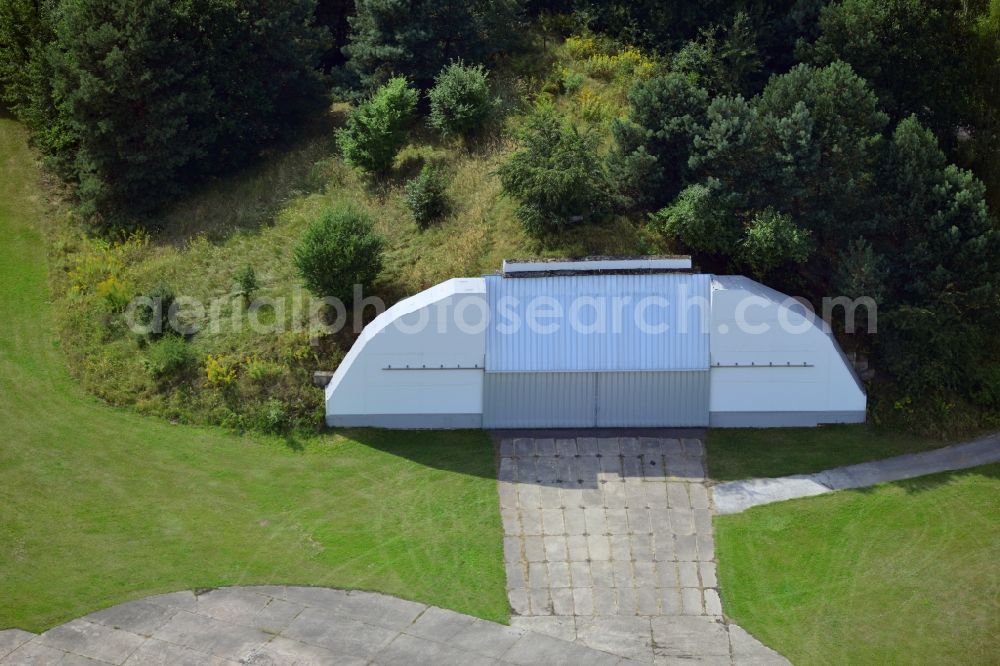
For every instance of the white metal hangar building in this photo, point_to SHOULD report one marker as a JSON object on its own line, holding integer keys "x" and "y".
{"x": 595, "y": 343}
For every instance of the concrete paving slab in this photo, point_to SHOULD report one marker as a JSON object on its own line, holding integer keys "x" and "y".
{"x": 534, "y": 649}
{"x": 737, "y": 496}
{"x": 341, "y": 634}
{"x": 232, "y": 604}
{"x": 747, "y": 650}
{"x": 282, "y": 651}
{"x": 378, "y": 610}
{"x": 628, "y": 637}
{"x": 77, "y": 660}
{"x": 184, "y": 599}
{"x": 438, "y": 624}
{"x": 562, "y": 627}
{"x": 11, "y": 639}
{"x": 160, "y": 653}
{"x": 215, "y": 637}
{"x": 487, "y": 638}
{"x": 139, "y": 617}
{"x": 92, "y": 640}
{"x": 34, "y": 654}
{"x": 407, "y": 650}
{"x": 277, "y": 615}
{"x": 689, "y": 637}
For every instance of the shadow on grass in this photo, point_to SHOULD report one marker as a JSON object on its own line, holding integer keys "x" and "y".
{"x": 476, "y": 453}
{"x": 468, "y": 452}
{"x": 248, "y": 198}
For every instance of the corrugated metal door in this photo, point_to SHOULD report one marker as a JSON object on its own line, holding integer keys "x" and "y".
{"x": 588, "y": 399}
{"x": 648, "y": 399}
{"x": 539, "y": 400}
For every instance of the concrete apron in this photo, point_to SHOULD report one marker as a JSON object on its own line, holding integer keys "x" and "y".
{"x": 608, "y": 542}
{"x": 284, "y": 626}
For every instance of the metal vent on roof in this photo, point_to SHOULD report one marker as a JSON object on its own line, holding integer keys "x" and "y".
{"x": 595, "y": 265}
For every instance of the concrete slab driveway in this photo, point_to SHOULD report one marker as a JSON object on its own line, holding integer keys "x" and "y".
{"x": 608, "y": 542}
{"x": 287, "y": 626}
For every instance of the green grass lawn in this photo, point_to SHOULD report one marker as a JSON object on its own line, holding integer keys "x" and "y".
{"x": 903, "y": 573}
{"x": 98, "y": 505}
{"x": 747, "y": 453}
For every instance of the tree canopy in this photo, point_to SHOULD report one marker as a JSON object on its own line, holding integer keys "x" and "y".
{"x": 416, "y": 38}
{"x": 136, "y": 102}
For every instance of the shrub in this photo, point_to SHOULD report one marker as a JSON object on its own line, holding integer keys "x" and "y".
{"x": 699, "y": 218}
{"x": 220, "y": 370}
{"x": 100, "y": 268}
{"x": 169, "y": 357}
{"x": 572, "y": 81}
{"x": 593, "y": 108}
{"x": 154, "y": 315}
{"x": 556, "y": 175}
{"x": 773, "y": 239}
{"x": 246, "y": 279}
{"x": 262, "y": 371}
{"x": 460, "y": 99}
{"x": 425, "y": 196}
{"x": 629, "y": 63}
{"x": 580, "y": 47}
{"x": 376, "y": 130}
{"x": 115, "y": 292}
{"x": 271, "y": 416}
{"x": 339, "y": 250}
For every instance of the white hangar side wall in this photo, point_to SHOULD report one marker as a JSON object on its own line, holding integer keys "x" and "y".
{"x": 443, "y": 387}
{"x": 790, "y": 373}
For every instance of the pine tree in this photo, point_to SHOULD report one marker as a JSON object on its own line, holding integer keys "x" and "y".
{"x": 653, "y": 144}
{"x": 158, "y": 94}
{"x": 416, "y": 38}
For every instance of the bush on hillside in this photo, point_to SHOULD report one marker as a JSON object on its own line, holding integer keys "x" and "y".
{"x": 270, "y": 416}
{"x": 460, "y": 99}
{"x": 376, "y": 130}
{"x": 246, "y": 280}
{"x": 425, "y": 196}
{"x": 699, "y": 218}
{"x": 556, "y": 175}
{"x": 169, "y": 357}
{"x": 153, "y": 315}
{"x": 772, "y": 239}
{"x": 339, "y": 250}
{"x": 572, "y": 81}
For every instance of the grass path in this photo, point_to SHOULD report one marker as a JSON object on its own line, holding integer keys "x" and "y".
{"x": 903, "y": 573}
{"x": 98, "y": 506}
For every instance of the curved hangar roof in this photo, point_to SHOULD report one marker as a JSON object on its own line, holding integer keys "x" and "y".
{"x": 631, "y": 322}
